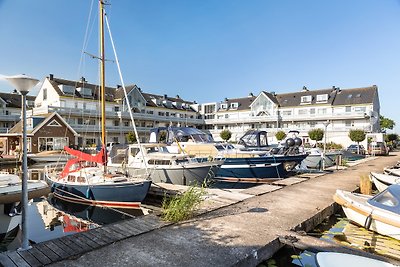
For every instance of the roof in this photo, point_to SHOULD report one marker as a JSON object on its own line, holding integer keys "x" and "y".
{"x": 243, "y": 103}
{"x": 115, "y": 93}
{"x": 14, "y": 100}
{"x": 336, "y": 96}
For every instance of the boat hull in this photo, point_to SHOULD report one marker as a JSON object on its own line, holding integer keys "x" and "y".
{"x": 357, "y": 210}
{"x": 315, "y": 161}
{"x": 255, "y": 171}
{"x": 118, "y": 195}
{"x": 382, "y": 181}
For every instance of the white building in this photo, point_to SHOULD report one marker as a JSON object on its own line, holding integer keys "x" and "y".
{"x": 344, "y": 109}
{"x": 78, "y": 103}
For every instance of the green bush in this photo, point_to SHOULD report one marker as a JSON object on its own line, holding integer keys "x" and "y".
{"x": 182, "y": 207}
{"x": 225, "y": 135}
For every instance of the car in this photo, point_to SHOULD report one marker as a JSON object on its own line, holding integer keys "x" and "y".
{"x": 378, "y": 149}
{"x": 356, "y": 149}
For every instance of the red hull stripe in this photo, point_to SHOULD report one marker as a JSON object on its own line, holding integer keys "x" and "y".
{"x": 112, "y": 204}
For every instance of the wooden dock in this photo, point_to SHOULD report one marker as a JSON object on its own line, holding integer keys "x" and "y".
{"x": 233, "y": 227}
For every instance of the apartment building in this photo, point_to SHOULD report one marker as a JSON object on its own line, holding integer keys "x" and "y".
{"x": 79, "y": 105}
{"x": 339, "y": 110}
{"x": 10, "y": 109}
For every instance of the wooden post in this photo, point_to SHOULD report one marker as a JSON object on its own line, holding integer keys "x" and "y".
{"x": 365, "y": 185}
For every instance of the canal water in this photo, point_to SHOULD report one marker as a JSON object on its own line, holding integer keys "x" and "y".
{"x": 50, "y": 218}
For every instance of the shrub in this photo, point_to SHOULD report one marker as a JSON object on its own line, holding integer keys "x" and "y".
{"x": 316, "y": 134}
{"x": 280, "y": 135}
{"x": 225, "y": 135}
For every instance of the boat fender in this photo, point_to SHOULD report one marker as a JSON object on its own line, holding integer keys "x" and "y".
{"x": 368, "y": 222}
{"x": 53, "y": 186}
{"x": 89, "y": 194}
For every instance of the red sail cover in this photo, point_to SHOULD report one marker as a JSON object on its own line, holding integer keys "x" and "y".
{"x": 80, "y": 156}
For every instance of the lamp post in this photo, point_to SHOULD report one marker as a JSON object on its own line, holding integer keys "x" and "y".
{"x": 23, "y": 84}
{"x": 324, "y": 152}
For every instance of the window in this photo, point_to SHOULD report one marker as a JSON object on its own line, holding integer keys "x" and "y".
{"x": 76, "y": 105}
{"x": 306, "y": 99}
{"x": 116, "y": 123}
{"x": 360, "y": 109}
{"x": 224, "y": 106}
{"x": 226, "y": 116}
{"x": 322, "y": 111}
{"x": 45, "y": 94}
{"x": 287, "y": 113}
{"x": 84, "y": 105}
{"x": 54, "y": 123}
{"x": 312, "y": 111}
{"x": 52, "y": 143}
{"x": 80, "y": 121}
{"x": 322, "y": 98}
{"x": 303, "y": 112}
{"x": 348, "y": 108}
{"x": 234, "y": 105}
{"x": 126, "y": 123}
{"x": 348, "y": 123}
{"x": 116, "y": 108}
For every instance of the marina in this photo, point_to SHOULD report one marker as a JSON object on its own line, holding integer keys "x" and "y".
{"x": 246, "y": 227}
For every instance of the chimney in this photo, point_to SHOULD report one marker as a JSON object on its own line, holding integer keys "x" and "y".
{"x": 51, "y": 76}
{"x": 305, "y": 89}
{"x": 251, "y": 94}
{"x": 83, "y": 79}
{"x": 226, "y": 99}
{"x": 165, "y": 96}
{"x": 119, "y": 86}
{"x": 177, "y": 96}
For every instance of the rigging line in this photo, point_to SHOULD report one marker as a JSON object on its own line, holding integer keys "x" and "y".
{"x": 126, "y": 95}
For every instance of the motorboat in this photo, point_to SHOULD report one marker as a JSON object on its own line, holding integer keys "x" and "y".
{"x": 240, "y": 163}
{"x": 380, "y": 213}
{"x": 49, "y": 156}
{"x": 163, "y": 166}
{"x": 335, "y": 259}
{"x": 395, "y": 170}
{"x": 315, "y": 158}
{"x": 382, "y": 180}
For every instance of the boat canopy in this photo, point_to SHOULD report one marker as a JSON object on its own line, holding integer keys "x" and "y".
{"x": 180, "y": 134}
{"x": 388, "y": 199}
{"x": 254, "y": 138}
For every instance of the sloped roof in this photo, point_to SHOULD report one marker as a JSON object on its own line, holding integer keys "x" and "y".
{"x": 243, "y": 103}
{"x": 14, "y": 100}
{"x": 355, "y": 96}
{"x": 294, "y": 99}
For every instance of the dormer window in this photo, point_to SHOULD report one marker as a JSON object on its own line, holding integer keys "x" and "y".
{"x": 224, "y": 106}
{"x": 322, "y": 98}
{"x": 234, "y": 105}
{"x": 306, "y": 99}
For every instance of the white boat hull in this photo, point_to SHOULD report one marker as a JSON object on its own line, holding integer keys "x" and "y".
{"x": 357, "y": 210}
{"x": 382, "y": 181}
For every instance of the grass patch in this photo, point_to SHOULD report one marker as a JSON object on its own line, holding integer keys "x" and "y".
{"x": 182, "y": 207}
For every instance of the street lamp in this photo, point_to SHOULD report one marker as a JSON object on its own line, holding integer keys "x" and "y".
{"x": 23, "y": 84}
{"x": 324, "y": 152}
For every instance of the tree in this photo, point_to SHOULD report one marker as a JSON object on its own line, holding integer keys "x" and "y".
{"x": 280, "y": 135}
{"x": 386, "y": 123}
{"x": 358, "y": 136}
{"x": 131, "y": 137}
{"x": 316, "y": 134}
{"x": 225, "y": 135}
{"x": 389, "y": 138}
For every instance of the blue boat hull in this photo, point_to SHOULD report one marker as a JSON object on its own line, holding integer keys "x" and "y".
{"x": 120, "y": 195}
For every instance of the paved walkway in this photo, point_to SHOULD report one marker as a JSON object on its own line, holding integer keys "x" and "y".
{"x": 242, "y": 234}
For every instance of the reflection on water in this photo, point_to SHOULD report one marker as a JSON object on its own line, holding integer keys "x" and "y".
{"x": 50, "y": 218}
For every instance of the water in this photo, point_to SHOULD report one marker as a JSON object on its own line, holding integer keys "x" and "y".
{"x": 50, "y": 218}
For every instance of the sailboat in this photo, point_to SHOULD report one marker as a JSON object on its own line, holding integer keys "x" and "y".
{"x": 85, "y": 179}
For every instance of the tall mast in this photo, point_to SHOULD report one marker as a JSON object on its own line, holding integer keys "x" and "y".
{"x": 102, "y": 83}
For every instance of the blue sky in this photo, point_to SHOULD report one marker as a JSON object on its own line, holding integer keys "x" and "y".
{"x": 211, "y": 49}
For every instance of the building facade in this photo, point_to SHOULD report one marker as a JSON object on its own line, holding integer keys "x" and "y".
{"x": 77, "y": 103}
{"x": 339, "y": 110}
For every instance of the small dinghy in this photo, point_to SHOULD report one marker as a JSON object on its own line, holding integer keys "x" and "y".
{"x": 382, "y": 181}
{"x": 334, "y": 259}
{"x": 380, "y": 213}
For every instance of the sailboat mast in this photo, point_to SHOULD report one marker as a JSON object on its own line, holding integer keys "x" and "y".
{"x": 102, "y": 82}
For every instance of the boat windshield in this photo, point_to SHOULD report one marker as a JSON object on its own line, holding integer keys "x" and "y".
{"x": 387, "y": 199}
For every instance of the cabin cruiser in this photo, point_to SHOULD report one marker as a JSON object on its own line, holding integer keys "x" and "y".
{"x": 163, "y": 166}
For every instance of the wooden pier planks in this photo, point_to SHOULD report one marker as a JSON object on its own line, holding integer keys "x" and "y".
{"x": 72, "y": 245}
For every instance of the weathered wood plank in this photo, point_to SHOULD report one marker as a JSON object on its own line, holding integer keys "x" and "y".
{"x": 86, "y": 240}
{"x": 74, "y": 246}
{"x": 59, "y": 251}
{"x": 74, "y": 241}
{"x": 138, "y": 227}
{"x": 29, "y": 258}
{"x": 6, "y": 261}
{"x": 133, "y": 229}
{"x": 63, "y": 246}
{"x": 99, "y": 241}
{"x": 122, "y": 229}
{"x": 112, "y": 232}
{"x": 39, "y": 256}
{"x": 48, "y": 252}
{"x": 17, "y": 259}
{"x": 106, "y": 234}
